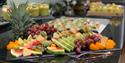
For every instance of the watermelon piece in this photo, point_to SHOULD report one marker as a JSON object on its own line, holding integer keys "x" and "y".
{"x": 16, "y": 53}
{"x": 55, "y": 50}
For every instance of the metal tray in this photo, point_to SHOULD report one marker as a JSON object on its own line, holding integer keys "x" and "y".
{"x": 71, "y": 55}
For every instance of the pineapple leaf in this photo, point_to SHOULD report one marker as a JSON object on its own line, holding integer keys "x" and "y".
{"x": 20, "y": 19}
{"x": 13, "y": 6}
{"x": 22, "y": 10}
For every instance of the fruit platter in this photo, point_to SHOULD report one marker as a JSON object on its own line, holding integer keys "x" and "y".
{"x": 100, "y": 9}
{"x": 62, "y": 36}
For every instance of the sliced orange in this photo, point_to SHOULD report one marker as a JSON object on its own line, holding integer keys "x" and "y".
{"x": 99, "y": 45}
{"x": 12, "y": 45}
{"x": 110, "y": 44}
{"x": 53, "y": 45}
{"x": 93, "y": 47}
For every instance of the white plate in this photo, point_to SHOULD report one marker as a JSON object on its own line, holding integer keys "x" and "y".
{"x": 103, "y": 23}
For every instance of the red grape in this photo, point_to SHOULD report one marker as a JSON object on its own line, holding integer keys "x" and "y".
{"x": 34, "y": 30}
{"x": 89, "y": 41}
{"x": 41, "y": 27}
{"x": 78, "y": 50}
{"x": 36, "y": 26}
{"x": 78, "y": 45}
{"x": 52, "y": 29}
{"x": 93, "y": 36}
{"x": 96, "y": 39}
{"x": 29, "y": 32}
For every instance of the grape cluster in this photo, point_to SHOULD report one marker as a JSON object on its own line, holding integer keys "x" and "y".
{"x": 37, "y": 28}
{"x": 92, "y": 39}
{"x": 84, "y": 43}
{"x": 78, "y": 46}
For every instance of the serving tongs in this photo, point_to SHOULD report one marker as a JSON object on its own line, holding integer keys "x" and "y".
{"x": 104, "y": 54}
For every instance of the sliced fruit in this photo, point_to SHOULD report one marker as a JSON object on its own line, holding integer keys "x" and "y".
{"x": 93, "y": 46}
{"x": 26, "y": 52}
{"x": 66, "y": 44}
{"x": 13, "y": 45}
{"x": 20, "y": 41}
{"x": 25, "y": 42}
{"x": 78, "y": 35}
{"x": 56, "y": 35}
{"x": 29, "y": 45}
{"x": 44, "y": 34}
{"x": 36, "y": 52}
{"x": 29, "y": 38}
{"x": 98, "y": 44}
{"x": 40, "y": 38}
{"x": 110, "y": 44}
{"x": 46, "y": 43}
{"x": 104, "y": 40}
{"x": 73, "y": 30}
{"x": 35, "y": 43}
{"x": 16, "y": 53}
{"x": 55, "y": 50}
{"x": 53, "y": 45}
{"x": 61, "y": 45}
{"x": 69, "y": 40}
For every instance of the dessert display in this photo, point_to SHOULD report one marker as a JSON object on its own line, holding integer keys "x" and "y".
{"x": 100, "y": 9}
{"x": 44, "y": 9}
{"x": 33, "y": 9}
{"x": 36, "y": 10}
{"x": 92, "y": 9}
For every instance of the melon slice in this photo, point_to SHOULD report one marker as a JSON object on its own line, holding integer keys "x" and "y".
{"x": 54, "y": 50}
{"x": 29, "y": 38}
{"x": 36, "y": 52}
{"x": 20, "y": 41}
{"x": 26, "y": 52}
{"x": 16, "y": 53}
{"x": 40, "y": 38}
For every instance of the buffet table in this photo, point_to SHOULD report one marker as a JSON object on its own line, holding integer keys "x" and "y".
{"x": 106, "y": 56}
